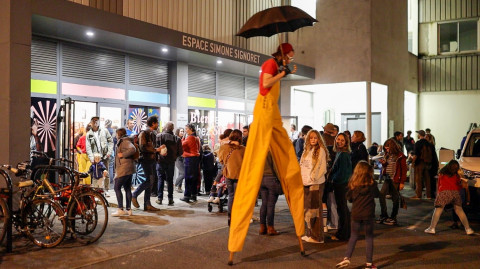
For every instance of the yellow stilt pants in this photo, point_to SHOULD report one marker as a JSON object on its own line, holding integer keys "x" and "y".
{"x": 266, "y": 133}
{"x": 83, "y": 166}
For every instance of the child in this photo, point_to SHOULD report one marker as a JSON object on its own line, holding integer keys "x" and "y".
{"x": 217, "y": 191}
{"x": 98, "y": 171}
{"x": 449, "y": 192}
{"x": 362, "y": 189}
{"x": 209, "y": 167}
{"x": 313, "y": 167}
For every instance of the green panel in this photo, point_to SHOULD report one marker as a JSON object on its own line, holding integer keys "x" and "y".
{"x": 43, "y": 86}
{"x": 201, "y": 102}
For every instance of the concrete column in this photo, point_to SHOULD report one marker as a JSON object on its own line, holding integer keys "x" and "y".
{"x": 15, "y": 42}
{"x": 368, "y": 115}
{"x": 179, "y": 93}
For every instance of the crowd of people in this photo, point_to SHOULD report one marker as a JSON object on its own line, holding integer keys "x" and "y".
{"x": 335, "y": 168}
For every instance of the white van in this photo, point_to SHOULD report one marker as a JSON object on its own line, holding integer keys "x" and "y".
{"x": 470, "y": 158}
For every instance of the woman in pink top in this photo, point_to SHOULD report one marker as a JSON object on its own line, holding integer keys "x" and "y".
{"x": 449, "y": 185}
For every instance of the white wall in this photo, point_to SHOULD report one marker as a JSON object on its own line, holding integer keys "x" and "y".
{"x": 449, "y": 115}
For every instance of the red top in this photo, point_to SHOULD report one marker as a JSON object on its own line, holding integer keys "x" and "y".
{"x": 446, "y": 183}
{"x": 269, "y": 67}
{"x": 190, "y": 146}
{"x": 82, "y": 143}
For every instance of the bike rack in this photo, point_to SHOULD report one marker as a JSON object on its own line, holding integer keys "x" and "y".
{"x": 8, "y": 192}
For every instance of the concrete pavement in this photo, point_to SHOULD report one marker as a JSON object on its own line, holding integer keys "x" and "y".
{"x": 187, "y": 235}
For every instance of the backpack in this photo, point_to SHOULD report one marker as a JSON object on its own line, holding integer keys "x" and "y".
{"x": 136, "y": 155}
{"x": 426, "y": 154}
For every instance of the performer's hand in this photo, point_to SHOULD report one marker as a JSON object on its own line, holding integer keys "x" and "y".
{"x": 401, "y": 186}
{"x": 294, "y": 69}
{"x": 285, "y": 69}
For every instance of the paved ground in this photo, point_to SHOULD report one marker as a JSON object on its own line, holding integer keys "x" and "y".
{"x": 188, "y": 236}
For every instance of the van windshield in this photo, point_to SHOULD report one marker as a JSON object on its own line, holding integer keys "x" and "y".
{"x": 473, "y": 146}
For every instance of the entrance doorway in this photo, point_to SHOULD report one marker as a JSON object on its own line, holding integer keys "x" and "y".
{"x": 356, "y": 121}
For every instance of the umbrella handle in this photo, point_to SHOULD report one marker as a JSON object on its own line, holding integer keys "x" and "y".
{"x": 302, "y": 250}
{"x": 230, "y": 259}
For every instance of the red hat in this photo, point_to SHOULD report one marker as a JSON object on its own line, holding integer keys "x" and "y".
{"x": 286, "y": 47}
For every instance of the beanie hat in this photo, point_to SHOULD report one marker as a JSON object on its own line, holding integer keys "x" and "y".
{"x": 286, "y": 47}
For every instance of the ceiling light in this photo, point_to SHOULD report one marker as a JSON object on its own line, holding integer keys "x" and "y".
{"x": 164, "y": 50}
{"x": 90, "y": 33}
{"x": 219, "y": 62}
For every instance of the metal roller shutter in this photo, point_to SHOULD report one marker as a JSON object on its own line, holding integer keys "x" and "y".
{"x": 93, "y": 64}
{"x": 44, "y": 57}
{"x": 251, "y": 87}
{"x": 231, "y": 85}
{"x": 201, "y": 81}
{"x": 148, "y": 72}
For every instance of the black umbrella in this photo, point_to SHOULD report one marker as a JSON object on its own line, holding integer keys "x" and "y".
{"x": 276, "y": 20}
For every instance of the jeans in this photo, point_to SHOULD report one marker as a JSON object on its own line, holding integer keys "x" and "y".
{"x": 356, "y": 226}
{"x": 191, "y": 176}
{"x": 165, "y": 173}
{"x": 181, "y": 172}
{"x": 393, "y": 189}
{"x": 126, "y": 183}
{"x": 340, "y": 191}
{"x": 149, "y": 170}
{"x": 111, "y": 170}
{"x": 231, "y": 187}
{"x": 269, "y": 190}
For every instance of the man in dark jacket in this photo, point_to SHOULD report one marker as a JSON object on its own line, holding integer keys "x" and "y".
{"x": 166, "y": 160}
{"x": 422, "y": 160}
{"x": 146, "y": 144}
{"x": 301, "y": 141}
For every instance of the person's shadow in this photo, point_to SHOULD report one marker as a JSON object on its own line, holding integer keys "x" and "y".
{"x": 410, "y": 252}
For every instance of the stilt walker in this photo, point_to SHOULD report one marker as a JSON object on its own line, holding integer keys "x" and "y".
{"x": 267, "y": 133}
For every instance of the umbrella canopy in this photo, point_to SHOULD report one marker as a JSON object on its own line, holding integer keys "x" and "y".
{"x": 276, "y": 20}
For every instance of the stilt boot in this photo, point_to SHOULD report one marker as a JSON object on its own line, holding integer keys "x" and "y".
{"x": 263, "y": 229}
{"x": 271, "y": 231}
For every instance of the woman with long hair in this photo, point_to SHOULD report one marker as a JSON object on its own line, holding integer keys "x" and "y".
{"x": 394, "y": 174}
{"x": 341, "y": 172}
{"x": 313, "y": 167}
{"x": 231, "y": 156}
{"x": 362, "y": 189}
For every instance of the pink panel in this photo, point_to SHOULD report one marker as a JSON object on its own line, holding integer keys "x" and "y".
{"x": 92, "y": 91}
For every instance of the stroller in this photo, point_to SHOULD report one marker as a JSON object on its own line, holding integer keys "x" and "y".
{"x": 220, "y": 199}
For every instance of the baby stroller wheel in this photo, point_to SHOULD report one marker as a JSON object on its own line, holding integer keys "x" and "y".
{"x": 209, "y": 207}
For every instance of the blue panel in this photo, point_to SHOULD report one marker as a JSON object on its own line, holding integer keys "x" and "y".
{"x": 148, "y": 97}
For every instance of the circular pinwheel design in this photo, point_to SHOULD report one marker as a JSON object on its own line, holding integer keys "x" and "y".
{"x": 45, "y": 119}
{"x": 139, "y": 118}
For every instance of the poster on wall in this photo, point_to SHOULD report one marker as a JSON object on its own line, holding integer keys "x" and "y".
{"x": 139, "y": 116}
{"x": 204, "y": 122}
{"x": 43, "y": 120}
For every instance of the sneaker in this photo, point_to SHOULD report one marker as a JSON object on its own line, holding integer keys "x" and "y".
{"x": 185, "y": 199}
{"x": 158, "y": 201}
{"x": 129, "y": 212}
{"x": 150, "y": 208}
{"x": 304, "y": 238}
{"x": 390, "y": 222}
{"x": 119, "y": 213}
{"x": 194, "y": 198}
{"x": 179, "y": 190}
{"x": 171, "y": 202}
{"x": 210, "y": 199}
{"x": 216, "y": 200}
{"x": 370, "y": 266}
{"x": 135, "y": 202}
{"x": 469, "y": 231}
{"x": 344, "y": 263}
{"x": 430, "y": 230}
{"x": 381, "y": 220}
{"x": 311, "y": 240}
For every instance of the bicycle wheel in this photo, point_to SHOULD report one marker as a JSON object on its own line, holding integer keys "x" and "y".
{"x": 88, "y": 216}
{"x": 4, "y": 217}
{"x": 45, "y": 223}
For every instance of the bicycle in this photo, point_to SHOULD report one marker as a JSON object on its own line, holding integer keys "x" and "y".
{"x": 39, "y": 217}
{"x": 85, "y": 206}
